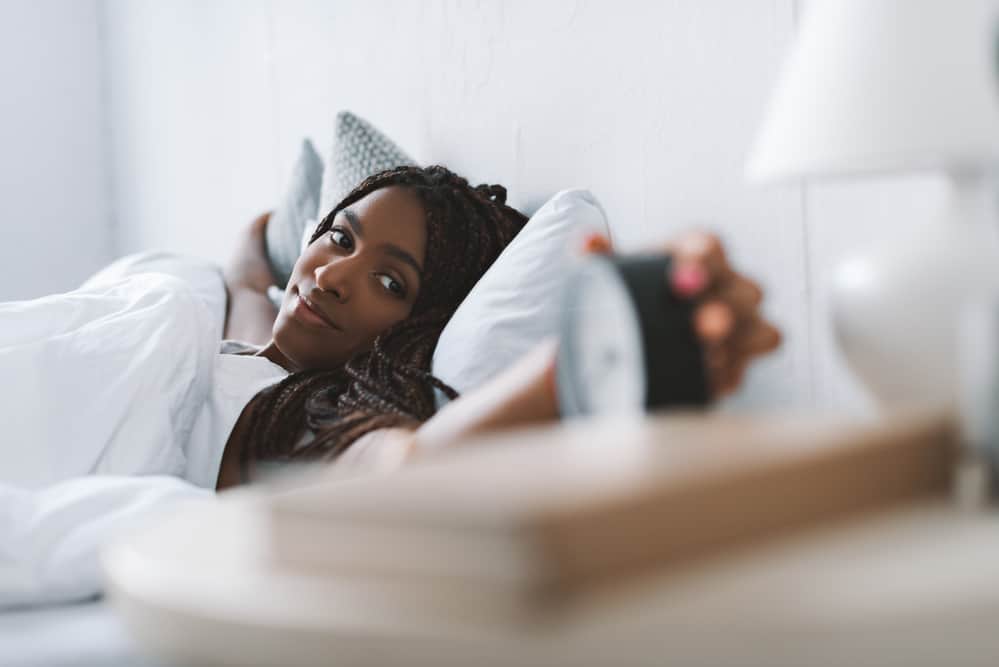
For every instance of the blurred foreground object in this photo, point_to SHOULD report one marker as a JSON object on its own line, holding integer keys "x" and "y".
{"x": 670, "y": 540}
{"x": 883, "y": 86}
{"x": 978, "y": 398}
{"x": 533, "y": 519}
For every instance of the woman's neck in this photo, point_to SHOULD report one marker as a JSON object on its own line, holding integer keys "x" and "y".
{"x": 271, "y": 352}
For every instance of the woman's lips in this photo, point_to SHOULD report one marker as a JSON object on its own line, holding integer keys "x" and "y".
{"x": 308, "y": 312}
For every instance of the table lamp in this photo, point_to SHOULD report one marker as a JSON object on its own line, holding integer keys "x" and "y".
{"x": 890, "y": 86}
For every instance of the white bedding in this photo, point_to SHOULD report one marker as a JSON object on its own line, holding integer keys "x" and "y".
{"x": 51, "y": 538}
{"x": 104, "y": 382}
{"x": 77, "y": 635}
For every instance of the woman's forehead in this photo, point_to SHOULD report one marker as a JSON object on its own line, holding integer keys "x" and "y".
{"x": 392, "y": 215}
{"x": 392, "y": 206}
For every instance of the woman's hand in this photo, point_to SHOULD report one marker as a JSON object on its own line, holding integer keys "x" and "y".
{"x": 248, "y": 266}
{"x": 249, "y": 314}
{"x": 726, "y": 318}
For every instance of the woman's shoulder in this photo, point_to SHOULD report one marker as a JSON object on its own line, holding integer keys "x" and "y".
{"x": 244, "y": 359}
{"x": 232, "y": 346}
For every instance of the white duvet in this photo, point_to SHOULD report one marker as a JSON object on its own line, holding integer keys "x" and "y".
{"x": 100, "y": 389}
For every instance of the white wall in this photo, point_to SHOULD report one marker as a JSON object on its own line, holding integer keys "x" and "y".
{"x": 651, "y": 105}
{"x": 53, "y": 173}
{"x": 192, "y": 116}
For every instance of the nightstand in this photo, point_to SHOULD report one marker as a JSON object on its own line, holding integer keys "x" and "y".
{"x": 906, "y": 578}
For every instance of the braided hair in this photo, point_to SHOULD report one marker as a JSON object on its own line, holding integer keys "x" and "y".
{"x": 390, "y": 385}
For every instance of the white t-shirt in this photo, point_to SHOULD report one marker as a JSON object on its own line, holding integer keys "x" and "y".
{"x": 237, "y": 378}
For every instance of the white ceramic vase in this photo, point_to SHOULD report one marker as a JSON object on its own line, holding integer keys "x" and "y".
{"x": 896, "y": 308}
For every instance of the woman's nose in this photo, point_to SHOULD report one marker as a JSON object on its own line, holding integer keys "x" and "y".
{"x": 334, "y": 277}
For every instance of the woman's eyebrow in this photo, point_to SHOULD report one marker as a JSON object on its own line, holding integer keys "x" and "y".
{"x": 353, "y": 221}
{"x": 399, "y": 253}
{"x": 390, "y": 248}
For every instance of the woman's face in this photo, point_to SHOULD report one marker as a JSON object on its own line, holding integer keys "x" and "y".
{"x": 354, "y": 282}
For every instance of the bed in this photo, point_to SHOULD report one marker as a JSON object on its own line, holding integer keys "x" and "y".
{"x": 80, "y": 635}
{"x": 89, "y": 633}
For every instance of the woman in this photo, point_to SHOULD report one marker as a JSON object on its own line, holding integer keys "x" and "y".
{"x": 123, "y": 400}
{"x": 358, "y": 336}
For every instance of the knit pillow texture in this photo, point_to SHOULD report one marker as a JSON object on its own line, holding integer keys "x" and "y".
{"x": 297, "y": 210}
{"x": 359, "y": 150}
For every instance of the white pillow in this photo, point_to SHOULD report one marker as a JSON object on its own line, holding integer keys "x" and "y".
{"x": 516, "y": 303}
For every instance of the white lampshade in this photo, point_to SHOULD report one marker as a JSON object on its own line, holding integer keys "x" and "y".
{"x": 876, "y": 85}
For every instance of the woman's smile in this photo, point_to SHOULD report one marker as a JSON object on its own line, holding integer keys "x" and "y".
{"x": 309, "y": 313}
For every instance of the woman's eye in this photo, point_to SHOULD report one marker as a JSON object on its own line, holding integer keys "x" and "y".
{"x": 340, "y": 237}
{"x": 392, "y": 285}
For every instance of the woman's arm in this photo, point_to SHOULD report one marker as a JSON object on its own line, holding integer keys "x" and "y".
{"x": 523, "y": 394}
{"x": 726, "y": 320}
{"x": 249, "y": 313}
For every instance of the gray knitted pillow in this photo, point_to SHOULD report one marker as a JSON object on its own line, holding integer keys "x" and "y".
{"x": 359, "y": 150}
{"x": 300, "y": 205}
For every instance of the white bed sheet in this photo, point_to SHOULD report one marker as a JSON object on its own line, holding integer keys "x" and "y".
{"x": 78, "y": 635}
{"x": 89, "y": 633}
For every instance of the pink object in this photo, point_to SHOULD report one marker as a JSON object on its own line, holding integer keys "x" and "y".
{"x": 689, "y": 280}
